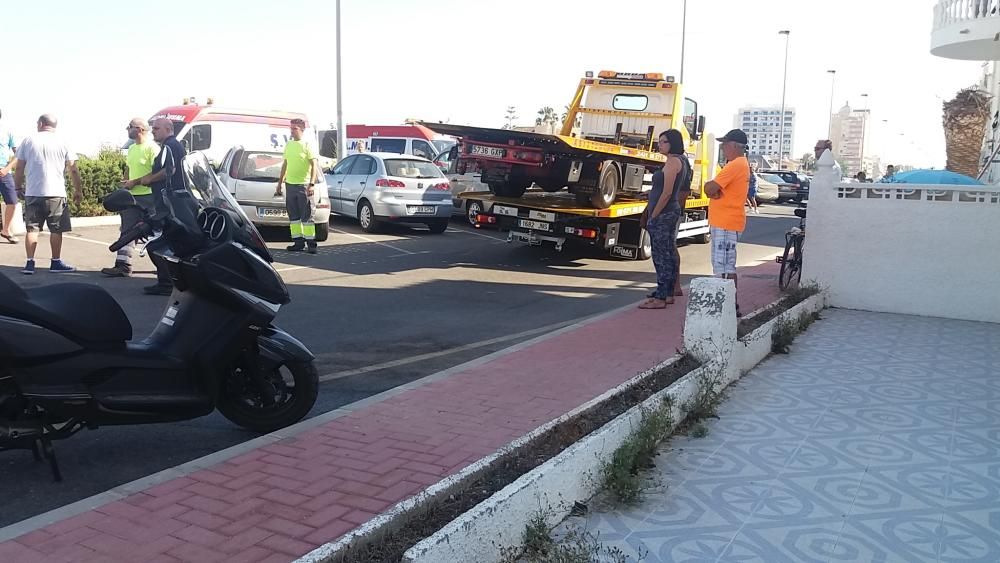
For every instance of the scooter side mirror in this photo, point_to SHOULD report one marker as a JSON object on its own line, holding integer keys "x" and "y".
{"x": 119, "y": 200}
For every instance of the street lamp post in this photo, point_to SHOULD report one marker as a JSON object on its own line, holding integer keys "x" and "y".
{"x": 829, "y": 124}
{"x": 684, "y": 21}
{"x": 341, "y": 133}
{"x": 784, "y": 84}
{"x": 864, "y": 133}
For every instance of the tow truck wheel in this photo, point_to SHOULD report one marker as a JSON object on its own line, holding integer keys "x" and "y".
{"x": 646, "y": 247}
{"x": 607, "y": 188}
{"x": 473, "y": 208}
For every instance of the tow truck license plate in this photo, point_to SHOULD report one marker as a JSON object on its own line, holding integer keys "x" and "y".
{"x": 272, "y": 212}
{"x": 491, "y": 152}
{"x": 534, "y": 225}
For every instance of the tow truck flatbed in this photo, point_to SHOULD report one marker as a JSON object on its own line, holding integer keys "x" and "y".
{"x": 559, "y": 143}
{"x": 560, "y": 202}
{"x": 538, "y": 217}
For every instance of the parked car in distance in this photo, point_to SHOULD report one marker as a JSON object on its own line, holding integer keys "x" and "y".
{"x": 786, "y": 190}
{"x": 252, "y": 177}
{"x": 767, "y": 192}
{"x": 800, "y": 181}
{"x": 376, "y": 188}
{"x": 468, "y": 182}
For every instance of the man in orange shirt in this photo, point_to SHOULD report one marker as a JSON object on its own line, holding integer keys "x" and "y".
{"x": 726, "y": 215}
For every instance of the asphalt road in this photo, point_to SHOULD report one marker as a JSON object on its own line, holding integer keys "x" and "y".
{"x": 377, "y": 310}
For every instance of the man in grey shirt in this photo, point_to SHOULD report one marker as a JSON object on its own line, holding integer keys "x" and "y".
{"x": 43, "y": 159}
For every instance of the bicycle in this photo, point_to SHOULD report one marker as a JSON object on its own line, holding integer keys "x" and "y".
{"x": 791, "y": 260}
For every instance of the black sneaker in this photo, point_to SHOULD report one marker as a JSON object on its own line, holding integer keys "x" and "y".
{"x": 311, "y": 247}
{"x": 158, "y": 289}
{"x": 297, "y": 246}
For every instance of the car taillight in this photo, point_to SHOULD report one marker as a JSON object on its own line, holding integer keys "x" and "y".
{"x": 444, "y": 186}
{"x": 386, "y": 183}
{"x": 529, "y": 156}
{"x": 585, "y": 233}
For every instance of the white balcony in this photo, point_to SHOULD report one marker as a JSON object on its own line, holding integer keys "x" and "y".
{"x": 967, "y": 30}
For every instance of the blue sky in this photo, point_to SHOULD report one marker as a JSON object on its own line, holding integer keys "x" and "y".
{"x": 466, "y": 61}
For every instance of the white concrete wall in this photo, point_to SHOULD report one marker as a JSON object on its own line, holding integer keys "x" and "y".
{"x": 904, "y": 248}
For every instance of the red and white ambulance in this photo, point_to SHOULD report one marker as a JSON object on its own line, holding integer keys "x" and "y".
{"x": 214, "y": 130}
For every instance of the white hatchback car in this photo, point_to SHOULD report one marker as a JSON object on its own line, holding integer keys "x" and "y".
{"x": 252, "y": 177}
{"x": 383, "y": 187}
{"x": 468, "y": 182}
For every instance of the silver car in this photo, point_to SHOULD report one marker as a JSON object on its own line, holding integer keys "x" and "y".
{"x": 385, "y": 187}
{"x": 252, "y": 177}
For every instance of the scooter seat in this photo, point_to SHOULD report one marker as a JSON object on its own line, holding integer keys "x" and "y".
{"x": 83, "y": 312}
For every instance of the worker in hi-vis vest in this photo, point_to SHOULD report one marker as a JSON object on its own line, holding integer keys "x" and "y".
{"x": 297, "y": 179}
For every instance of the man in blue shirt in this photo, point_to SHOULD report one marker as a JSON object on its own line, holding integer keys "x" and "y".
{"x": 7, "y": 189}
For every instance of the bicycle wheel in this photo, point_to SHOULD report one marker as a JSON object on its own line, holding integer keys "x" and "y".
{"x": 790, "y": 262}
{"x": 798, "y": 258}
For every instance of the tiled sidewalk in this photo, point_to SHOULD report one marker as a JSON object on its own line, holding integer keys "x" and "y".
{"x": 282, "y": 500}
{"x": 876, "y": 440}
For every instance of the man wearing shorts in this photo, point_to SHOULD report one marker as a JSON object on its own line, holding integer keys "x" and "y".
{"x": 7, "y": 189}
{"x": 299, "y": 171}
{"x": 726, "y": 214}
{"x": 43, "y": 159}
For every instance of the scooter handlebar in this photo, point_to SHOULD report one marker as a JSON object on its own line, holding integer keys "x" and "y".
{"x": 141, "y": 230}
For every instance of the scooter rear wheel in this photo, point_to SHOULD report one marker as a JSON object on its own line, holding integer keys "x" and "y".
{"x": 284, "y": 397}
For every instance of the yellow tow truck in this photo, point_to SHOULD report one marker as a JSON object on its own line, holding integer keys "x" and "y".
{"x": 590, "y": 182}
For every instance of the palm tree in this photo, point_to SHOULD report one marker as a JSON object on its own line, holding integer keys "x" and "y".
{"x": 511, "y": 117}
{"x": 547, "y": 116}
{"x": 965, "y": 119}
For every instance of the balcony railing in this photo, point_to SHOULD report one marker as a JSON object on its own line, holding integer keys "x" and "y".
{"x": 948, "y": 12}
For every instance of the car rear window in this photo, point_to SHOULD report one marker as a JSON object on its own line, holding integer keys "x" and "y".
{"x": 405, "y": 168}
{"x": 261, "y": 166}
{"x": 774, "y": 179}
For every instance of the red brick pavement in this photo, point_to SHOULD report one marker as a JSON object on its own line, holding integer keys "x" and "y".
{"x": 283, "y": 500}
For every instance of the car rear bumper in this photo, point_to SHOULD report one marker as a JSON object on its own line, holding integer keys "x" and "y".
{"x": 406, "y": 212}
{"x": 254, "y": 211}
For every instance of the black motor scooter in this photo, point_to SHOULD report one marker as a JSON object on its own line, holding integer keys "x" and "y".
{"x": 68, "y": 361}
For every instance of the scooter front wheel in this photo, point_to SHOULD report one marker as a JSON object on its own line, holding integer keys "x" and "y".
{"x": 278, "y": 397}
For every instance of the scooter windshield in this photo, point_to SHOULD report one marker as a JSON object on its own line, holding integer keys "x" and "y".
{"x": 205, "y": 186}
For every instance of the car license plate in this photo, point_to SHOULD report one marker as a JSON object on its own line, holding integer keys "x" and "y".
{"x": 420, "y": 210}
{"x": 505, "y": 211}
{"x": 623, "y": 252}
{"x": 272, "y": 212}
{"x": 534, "y": 225}
{"x": 491, "y": 152}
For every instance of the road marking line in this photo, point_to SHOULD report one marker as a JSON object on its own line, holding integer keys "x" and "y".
{"x": 449, "y": 351}
{"x": 366, "y": 239}
{"x": 473, "y": 233}
{"x": 68, "y": 236}
{"x": 291, "y": 268}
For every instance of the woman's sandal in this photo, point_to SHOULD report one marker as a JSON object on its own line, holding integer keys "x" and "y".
{"x": 10, "y": 238}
